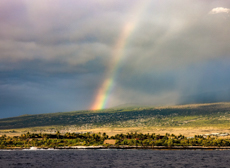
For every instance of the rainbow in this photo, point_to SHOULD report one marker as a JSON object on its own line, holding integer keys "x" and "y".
{"x": 105, "y": 90}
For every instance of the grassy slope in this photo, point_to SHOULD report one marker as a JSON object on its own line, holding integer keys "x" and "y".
{"x": 197, "y": 115}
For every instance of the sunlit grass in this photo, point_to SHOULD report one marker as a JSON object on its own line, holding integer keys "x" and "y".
{"x": 183, "y": 116}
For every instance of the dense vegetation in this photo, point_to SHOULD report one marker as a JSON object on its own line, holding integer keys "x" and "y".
{"x": 131, "y": 139}
{"x": 215, "y": 114}
{"x": 52, "y": 140}
{"x": 134, "y": 139}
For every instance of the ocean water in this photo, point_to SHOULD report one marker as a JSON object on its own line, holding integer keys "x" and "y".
{"x": 115, "y": 158}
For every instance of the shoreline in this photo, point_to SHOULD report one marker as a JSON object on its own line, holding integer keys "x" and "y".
{"x": 130, "y": 147}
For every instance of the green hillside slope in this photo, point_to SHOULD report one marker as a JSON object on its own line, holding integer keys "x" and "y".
{"x": 213, "y": 114}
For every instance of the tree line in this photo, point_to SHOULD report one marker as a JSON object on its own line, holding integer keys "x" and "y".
{"x": 95, "y": 139}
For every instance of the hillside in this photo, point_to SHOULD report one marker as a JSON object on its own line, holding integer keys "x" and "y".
{"x": 192, "y": 115}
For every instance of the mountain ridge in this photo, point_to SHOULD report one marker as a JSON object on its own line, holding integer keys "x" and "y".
{"x": 168, "y": 116}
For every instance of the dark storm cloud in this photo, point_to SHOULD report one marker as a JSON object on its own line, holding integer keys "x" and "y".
{"x": 54, "y": 54}
{"x": 37, "y": 86}
{"x": 148, "y": 83}
{"x": 35, "y": 93}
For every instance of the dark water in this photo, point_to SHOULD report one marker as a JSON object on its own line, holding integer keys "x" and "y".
{"x": 115, "y": 158}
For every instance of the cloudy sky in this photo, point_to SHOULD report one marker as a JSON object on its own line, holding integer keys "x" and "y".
{"x": 55, "y": 55}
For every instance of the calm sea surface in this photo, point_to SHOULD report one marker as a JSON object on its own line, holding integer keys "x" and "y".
{"x": 115, "y": 158}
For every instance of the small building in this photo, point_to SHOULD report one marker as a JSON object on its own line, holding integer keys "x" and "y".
{"x": 31, "y": 139}
{"x": 77, "y": 132}
{"x": 110, "y": 141}
{"x": 215, "y": 134}
{"x": 190, "y": 137}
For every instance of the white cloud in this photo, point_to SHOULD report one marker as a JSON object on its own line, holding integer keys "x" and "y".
{"x": 219, "y": 10}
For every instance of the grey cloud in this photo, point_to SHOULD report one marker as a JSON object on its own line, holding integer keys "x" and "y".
{"x": 188, "y": 41}
{"x": 59, "y": 51}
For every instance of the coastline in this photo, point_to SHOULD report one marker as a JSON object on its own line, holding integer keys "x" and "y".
{"x": 131, "y": 147}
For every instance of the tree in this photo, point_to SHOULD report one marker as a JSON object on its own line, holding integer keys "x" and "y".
{"x": 58, "y": 134}
{"x": 170, "y": 142}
